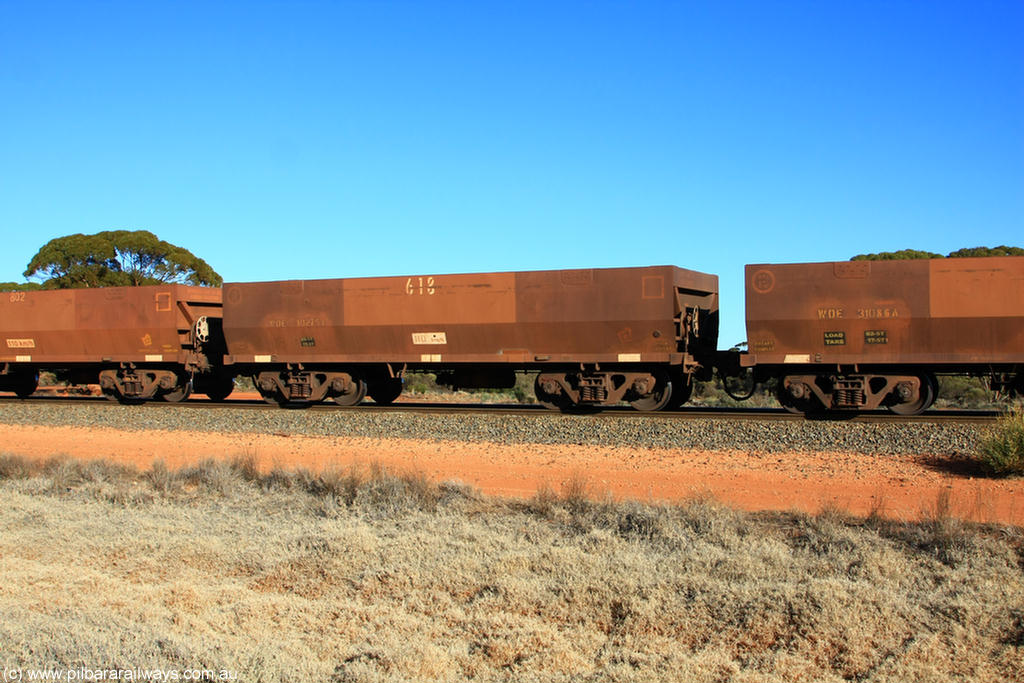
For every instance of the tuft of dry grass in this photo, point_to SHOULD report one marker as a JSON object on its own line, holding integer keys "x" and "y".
{"x": 1002, "y": 451}
{"x": 946, "y": 535}
{"x": 16, "y": 467}
{"x": 246, "y": 466}
{"x": 576, "y": 492}
{"x": 160, "y": 478}
{"x": 879, "y": 505}
{"x": 544, "y": 499}
{"x": 364, "y": 574}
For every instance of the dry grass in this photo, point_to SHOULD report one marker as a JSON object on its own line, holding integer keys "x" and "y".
{"x": 1002, "y": 451}
{"x": 369, "y": 575}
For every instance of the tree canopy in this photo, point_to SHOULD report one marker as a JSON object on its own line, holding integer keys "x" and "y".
{"x": 903, "y": 254}
{"x": 19, "y": 286}
{"x": 959, "y": 253}
{"x": 987, "y": 251}
{"x": 117, "y": 258}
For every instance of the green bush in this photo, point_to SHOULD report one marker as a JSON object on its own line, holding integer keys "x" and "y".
{"x": 244, "y": 383}
{"x": 423, "y": 383}
{"x": 964, "y": 392}
{"x": 1002, "y": 452}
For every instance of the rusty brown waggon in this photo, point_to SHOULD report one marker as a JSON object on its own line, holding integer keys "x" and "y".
{"x": 135, "y": 342}
{"x": 596, "y": 336}
{"x": 864, "y": 334}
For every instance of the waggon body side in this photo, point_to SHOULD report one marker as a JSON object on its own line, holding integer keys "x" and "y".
{"x": 471, "y": 324}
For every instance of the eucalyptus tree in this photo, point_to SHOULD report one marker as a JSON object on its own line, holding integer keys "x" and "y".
{"x": 117, "y": 258}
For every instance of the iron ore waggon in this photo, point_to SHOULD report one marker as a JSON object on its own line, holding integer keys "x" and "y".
{"x": 137, "y": 343}
{"x": 596, "y": 336}
{"x": 865, "y": 334}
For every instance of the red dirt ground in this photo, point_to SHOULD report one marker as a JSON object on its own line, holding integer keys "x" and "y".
{"x": 902, "y": 487}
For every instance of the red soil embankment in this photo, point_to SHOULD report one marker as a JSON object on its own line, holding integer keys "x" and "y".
{"x": 904, "y": 487}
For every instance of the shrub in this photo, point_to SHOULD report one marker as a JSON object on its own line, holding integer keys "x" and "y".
{"x": 215, "y": 476}
{"x": 523, "y": 390}
{"x": 964, "y": 392}
{"x": 247, "y": 467}
{"x": 576, "y": 492}
{"x": 160, "y": 478}
{"x": 423, "y": 383}
{"x": 244, "y": 383}
{"x": 1002, "y": 452}
{"x": 16, "y": 467}
{"x": 544, "y": 500}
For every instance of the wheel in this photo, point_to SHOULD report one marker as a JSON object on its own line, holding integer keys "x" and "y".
{"x": 115, "y": 395}
{"x": 24, "y": 385}
{"x": 217, "y": 388}
{"x": 658, "y": 399}
{"x": 682, "y": 391}
{"x": 177, "y": 394}
{"x": 918, "y": 404}
{"x": 934, "y": 381}
{"x": 551, "y": 401}
{"x": 798, "y": 406}
{"x": 273, "y": 397}
{"x": 384, "y": 392}
{"x": 355, "y": 394}
{"x": 562, "y": 402}
{"x": 790, "y": 404}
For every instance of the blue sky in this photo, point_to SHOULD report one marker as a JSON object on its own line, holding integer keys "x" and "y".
{"x": 332, "y": 139}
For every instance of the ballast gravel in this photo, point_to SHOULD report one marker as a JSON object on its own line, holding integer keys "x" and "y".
{"x": 706, "y": 434}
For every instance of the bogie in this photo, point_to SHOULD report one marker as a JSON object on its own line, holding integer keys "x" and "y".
{"x": 298, "y": 387}
{"x": 900, "y": 394}
{"x": 646, "y": 391}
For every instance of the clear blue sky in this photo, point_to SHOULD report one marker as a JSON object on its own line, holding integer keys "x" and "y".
{"x": 330, "y": 139}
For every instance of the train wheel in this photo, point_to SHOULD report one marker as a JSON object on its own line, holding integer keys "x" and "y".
{"x": 24, "y": 385}
{"x": 934, "y": 381}
{"x": 112, "y": 394}
{"x": 682, "y": 391}
{"x": 555, "y": 405}
{"x": 177, "y": 394}
{"x": 658, "y": 399}
{"x": 116, "y": 395}
{"x": 218, "y": 387}
{"x": 802, "y": 404}
{"x": 276, "y": 399}
{"x": 549, "y": 399}
{"x": 354, "y": 395}
{"x": 386, "y": 391}
{"x": 273, "y": 396}
{"x": 920, "y": 402}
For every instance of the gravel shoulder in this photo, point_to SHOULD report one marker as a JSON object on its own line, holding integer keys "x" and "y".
{"x": 904, "y": 471}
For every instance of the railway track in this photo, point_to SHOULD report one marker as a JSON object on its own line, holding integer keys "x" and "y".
{"x": 940, "y": 433}
{"x": 534, "y": 410}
